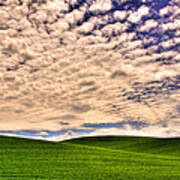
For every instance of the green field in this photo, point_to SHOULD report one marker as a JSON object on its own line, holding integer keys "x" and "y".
{"x": 126, "y": 158}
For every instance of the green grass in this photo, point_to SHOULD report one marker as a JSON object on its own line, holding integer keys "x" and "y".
{"x": 117, "y": 158}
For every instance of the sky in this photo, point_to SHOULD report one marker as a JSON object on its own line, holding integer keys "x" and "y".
{"x": 74, "y": 68}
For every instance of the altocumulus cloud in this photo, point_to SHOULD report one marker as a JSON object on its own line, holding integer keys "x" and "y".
{"x": 74, "y": 68}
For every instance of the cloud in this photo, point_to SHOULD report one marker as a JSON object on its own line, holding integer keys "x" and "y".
{"x": 80, "y": 108}
{"x": 71, "y": 63}
{"x": 178, "y": 108}
{"x": 63, "y": 117}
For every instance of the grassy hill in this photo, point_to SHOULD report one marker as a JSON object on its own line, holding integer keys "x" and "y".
{"x": 117, "y": 158}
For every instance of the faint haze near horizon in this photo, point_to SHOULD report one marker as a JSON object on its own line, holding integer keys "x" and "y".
{"x": 72, "y": 68}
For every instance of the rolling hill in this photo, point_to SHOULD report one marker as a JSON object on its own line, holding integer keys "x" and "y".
{"x": 117, "y": 158}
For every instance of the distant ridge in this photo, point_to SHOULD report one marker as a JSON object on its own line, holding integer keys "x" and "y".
{"x": 70, "y": 135}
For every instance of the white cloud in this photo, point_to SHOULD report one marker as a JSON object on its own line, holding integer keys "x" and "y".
{"x": 51, "y": 67}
